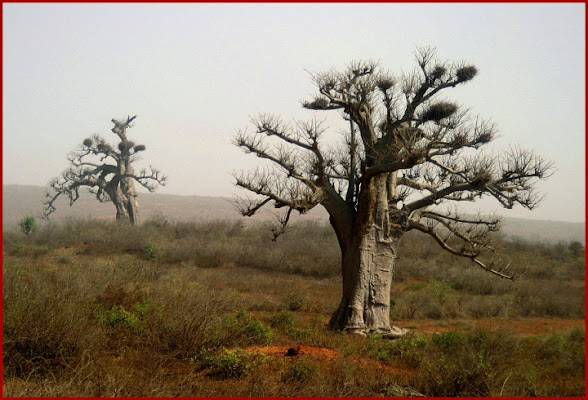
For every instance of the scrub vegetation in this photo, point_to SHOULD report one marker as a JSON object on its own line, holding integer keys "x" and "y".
{"x": 105, "y": 308}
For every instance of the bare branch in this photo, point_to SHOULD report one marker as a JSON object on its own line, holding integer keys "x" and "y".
{"x": 120, "y": 126}
{"x": 69, "y": 184}
{"x": 414, "y": 184}
{"x": 353, "y": 91}
{"x": 282, "y": 226}
{"x": 283, "y": 192}
{"x": 149, "y": 179}
{"x": 248, "y": 206}
{"x": 284, "y": 159}
{"x": 509, "y": 178}
{"x": 471, "y": 249}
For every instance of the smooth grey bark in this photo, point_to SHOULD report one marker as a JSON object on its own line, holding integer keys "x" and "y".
{"x": 119, "y": 202}
{"x": 367, "y": 278}
{"x": 128, "y": 196}
{"x": 367, "y": 265}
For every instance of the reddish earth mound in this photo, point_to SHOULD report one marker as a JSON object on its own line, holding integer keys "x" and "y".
{"x": 322, "y": 354}
{"x": 298, "y": 350}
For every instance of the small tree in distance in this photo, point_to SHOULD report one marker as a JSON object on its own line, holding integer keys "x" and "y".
{"x": 108, "y": 172}
{"x": 28, "y": 225}
{"x": 409, "y": 159}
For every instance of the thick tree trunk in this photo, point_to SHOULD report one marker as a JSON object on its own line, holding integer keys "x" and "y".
{"x": 127, "y": 187}
{"x": 119, "y": 200}
{"x": 131, "y": 204}
{"x": 127, "y": 209}
{"x": 367, "y": 265}
{"x": 367, "y": 278}
{"x": 121, "y": 209}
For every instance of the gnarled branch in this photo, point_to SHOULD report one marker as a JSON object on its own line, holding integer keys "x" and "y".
{"x": 472, "y": 244}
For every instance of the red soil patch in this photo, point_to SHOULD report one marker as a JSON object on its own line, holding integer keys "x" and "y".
{"x": 320, "y": 353}
{"x": 298, "y": 350}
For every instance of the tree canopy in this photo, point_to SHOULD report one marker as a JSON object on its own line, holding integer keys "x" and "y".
{"x": 428, "y": 149}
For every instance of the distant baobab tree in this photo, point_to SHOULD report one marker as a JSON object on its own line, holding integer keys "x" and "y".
{"x": 409, "y": 159}
{"x": 108, "y": 173}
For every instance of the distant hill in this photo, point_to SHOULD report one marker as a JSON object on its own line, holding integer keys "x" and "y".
{"x": 21, "y": 200}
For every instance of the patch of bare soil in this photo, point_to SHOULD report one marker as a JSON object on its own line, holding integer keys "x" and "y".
{"x": 321, "y": 353}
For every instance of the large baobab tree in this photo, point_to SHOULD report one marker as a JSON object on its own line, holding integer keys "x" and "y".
{"x": 107, "y": 172}
{"x": 409, "y": 159}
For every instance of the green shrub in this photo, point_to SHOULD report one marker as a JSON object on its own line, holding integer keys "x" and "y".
{"x": 440, "y": 290}
{"x": 298, "y": 333}
{"x": 448, "y": 341}
{"x": 379, "y": 348}
{"x": 577, "y": 334}
{"x": 302, "y": 370}
{"x": 296, "y": 301}
{"x": 242, "y": 328}
{"x": 467, "y": 364}
{"x": 411, "y": 349}
{"x": 28, "y": 225}
{"x": 144, "y": 308}
{"x": 229, "y": 363}
{"x": 119, "y": 316}
{"x": 282, "y": 320}
{"x": 257, "y": 332}
{"x": 150, "y": 251}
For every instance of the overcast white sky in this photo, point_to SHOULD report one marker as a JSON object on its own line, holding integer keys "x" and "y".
{"x": 195, "y": 73}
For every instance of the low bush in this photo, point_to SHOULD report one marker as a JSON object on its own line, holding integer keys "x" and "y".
{"x": 118, "y": 316}
{"x": 245, "y": 329}
{"x": 41, "y": 323}
{"x": 228, "y": 363}
{"x": 150, "y": 250}
{"x": 91, "y": 310}
{"x": 302, "y": 370}
{"x": 28, "y": 225}
{"x": 282, "y": 320}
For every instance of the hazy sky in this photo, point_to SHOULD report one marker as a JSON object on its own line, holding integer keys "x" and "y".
{"x": 195, "y": 73}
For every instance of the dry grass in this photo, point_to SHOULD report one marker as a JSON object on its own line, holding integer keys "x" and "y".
{"x": 94, "y": 308}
